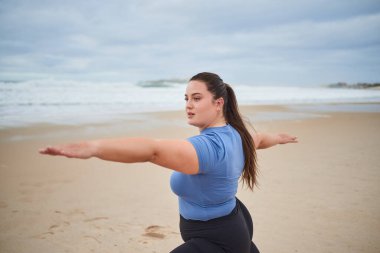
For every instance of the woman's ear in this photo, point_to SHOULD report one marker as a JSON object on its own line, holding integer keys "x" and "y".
{"x": 220, "y": 103}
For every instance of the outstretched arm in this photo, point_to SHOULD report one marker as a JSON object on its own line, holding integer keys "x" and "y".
{"x": 267, "y": 140}
{"x": 179, "y": 155}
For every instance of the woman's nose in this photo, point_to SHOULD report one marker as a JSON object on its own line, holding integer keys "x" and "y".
{"x": 189, "y": 103}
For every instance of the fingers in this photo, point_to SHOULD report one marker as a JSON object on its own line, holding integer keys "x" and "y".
{"x": 45, "y": 151}
{"x": 290, "y": 140}
{"x": 52, "y": 151}
{"x": 285, "y": 138}
{"x": 67, "y": 150}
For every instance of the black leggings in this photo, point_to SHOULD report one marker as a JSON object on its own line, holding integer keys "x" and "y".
{"x": 228, "y": 234}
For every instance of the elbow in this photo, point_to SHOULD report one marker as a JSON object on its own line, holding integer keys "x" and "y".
{"x": 152, "y": 158}
{"x": 153, "y": 154}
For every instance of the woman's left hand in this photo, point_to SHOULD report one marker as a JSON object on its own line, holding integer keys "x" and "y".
{"x": 286, "y": 138}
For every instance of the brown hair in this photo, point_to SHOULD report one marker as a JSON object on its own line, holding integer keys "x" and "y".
{"x": 219, "y": 89}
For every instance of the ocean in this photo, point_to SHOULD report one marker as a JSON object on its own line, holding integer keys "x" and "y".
{"x": 78, "y": 102}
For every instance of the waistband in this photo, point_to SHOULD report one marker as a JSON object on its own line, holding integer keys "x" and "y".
{"x": 231, "y": 214}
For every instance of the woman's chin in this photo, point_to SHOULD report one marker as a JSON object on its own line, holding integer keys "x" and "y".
{"x": 191, "y": 122}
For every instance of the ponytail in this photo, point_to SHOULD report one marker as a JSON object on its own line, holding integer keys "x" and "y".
{"x": 233, "y": 117}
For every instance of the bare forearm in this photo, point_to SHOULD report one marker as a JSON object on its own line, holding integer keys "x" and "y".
{"x": 267, "y": 140}
{"x": 128, "y": 150}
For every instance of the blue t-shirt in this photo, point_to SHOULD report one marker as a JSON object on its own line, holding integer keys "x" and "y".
{"x": 211, "y": 193}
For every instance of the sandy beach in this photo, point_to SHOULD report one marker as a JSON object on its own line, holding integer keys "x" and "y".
{"x": 320, "y": 195}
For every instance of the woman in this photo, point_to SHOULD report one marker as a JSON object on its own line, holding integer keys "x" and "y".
{"x": 206, "y": 167}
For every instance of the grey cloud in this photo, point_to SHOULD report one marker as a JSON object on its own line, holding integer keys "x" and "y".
{"x": 259, "y": 41}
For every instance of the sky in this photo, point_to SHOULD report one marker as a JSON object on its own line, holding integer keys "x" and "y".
{"x": 253, "y": 42}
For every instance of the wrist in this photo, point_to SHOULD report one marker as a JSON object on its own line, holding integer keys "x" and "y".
{"x": 93, "y": 147}
{"x": 278, "y": 139}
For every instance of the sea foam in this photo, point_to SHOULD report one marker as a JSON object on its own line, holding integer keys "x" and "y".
{"x": 75, "y": 102}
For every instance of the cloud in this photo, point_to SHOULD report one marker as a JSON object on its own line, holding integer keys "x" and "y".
{"x": 262, "y": 42}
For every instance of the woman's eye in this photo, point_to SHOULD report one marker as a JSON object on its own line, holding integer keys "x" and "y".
{"x": 193, "y": 99}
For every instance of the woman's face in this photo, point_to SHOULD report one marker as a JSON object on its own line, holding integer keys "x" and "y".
{"x": 201, "y": 108}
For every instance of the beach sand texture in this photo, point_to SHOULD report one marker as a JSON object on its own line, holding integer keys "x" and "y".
{"x": 320, "y": 195}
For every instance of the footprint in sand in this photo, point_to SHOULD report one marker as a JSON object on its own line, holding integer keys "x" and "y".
{"x": 93, "y": 238}
{"x": 3, "y": 204}
{"x": 95, "y": 219}
{"x": 154, "y": 231}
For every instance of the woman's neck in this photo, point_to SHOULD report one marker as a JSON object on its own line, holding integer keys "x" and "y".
{"x": 217, "y": 123}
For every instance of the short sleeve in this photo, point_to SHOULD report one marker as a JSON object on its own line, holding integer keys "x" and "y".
{"x": 207, "y": 152}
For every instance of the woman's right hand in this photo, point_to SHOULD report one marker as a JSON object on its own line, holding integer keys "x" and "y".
{"x": 81, "y": 150}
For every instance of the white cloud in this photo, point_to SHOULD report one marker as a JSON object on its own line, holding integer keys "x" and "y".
{"x": 248, "y": 41}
